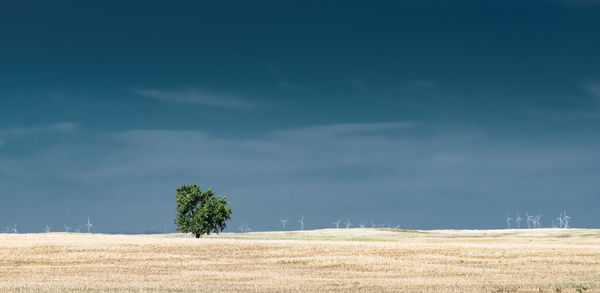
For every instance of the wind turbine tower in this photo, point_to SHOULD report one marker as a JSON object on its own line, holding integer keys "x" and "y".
{"x": 518, "y": 221}
{"x": 508, "y": 220}
{"x": 301, "y": 221}
{"x": 566, "y": 220}
{"x": 88, "y": 225}
{"x": 529, "y": 220}
{"x": 283, "y": 221}
{"x": 536, "y": 222}
{"x": 560, "y": 220}
{"x": 348, "y": 223}
{"x": 337, "y": 223}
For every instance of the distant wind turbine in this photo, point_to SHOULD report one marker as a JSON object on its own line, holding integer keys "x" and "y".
{"x": 337, "y": 223}
{"x": 566, "y": 220}
{"x": 518, "y": 221}
{"x": 88, "y": 225}
{"x": 529, "y": 220}
{"x": 536, "y": 222}
{"x": 14, "y": 229}
{"x": 283, "y": 221}
{"x": 560, "y": 220}
{"x": 6, "y": 229}
{"x": 348, "y": 223}
{"x": 244, "y": 227}
{"x": 508, "y": 220}
{"x": 301, "y": 221}
{"x": 47, "y": 229}
{"x": 78, "y": 230}
{"x": 67, "y": 228}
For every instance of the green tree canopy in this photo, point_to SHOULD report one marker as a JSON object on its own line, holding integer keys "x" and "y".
{"x": 200, "y": 212}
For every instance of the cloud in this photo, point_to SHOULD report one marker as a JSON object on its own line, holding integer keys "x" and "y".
{"x": 65, "y": 126}
{"x": 378, "y": 170}
{"x": 594, "y": 88}
{"x": 346, "y": 129}
{"x": 283, "y": 82}
{"x": 197, "y": 97}
{"x": 288, "y": 85}
{"x": 591, "y": 111}
{"x": 32, "y": 131}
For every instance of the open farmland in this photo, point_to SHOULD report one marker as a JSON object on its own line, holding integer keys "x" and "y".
{"x": 338, "y": 260}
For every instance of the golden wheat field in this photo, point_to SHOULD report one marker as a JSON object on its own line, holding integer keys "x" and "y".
{"x": 332, "y": 260}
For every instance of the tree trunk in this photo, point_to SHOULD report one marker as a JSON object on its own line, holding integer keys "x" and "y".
{"x": 197, "y": 235}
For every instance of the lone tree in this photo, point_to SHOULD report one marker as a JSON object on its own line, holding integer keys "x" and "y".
{"x": 200, "y": 212}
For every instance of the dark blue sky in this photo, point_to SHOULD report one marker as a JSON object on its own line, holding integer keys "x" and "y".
{"x": 427, "y": 114}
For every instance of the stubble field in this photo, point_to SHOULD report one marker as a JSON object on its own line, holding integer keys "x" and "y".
{"x": 333, "y": 260}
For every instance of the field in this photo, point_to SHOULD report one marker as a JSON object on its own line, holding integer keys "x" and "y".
{"x": 334, "y": 260}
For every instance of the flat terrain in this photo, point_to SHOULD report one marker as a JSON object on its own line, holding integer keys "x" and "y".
{"x": 335, "y": 260}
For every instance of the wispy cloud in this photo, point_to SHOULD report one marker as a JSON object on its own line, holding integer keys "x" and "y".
{"x": 591, "y": 111}
{"x": 197, "y": 97}
{"x": 283, "y": 82}
{"x": 347, "y": 129}
{"x": 594, "y": 88}
{"x": 288, "y": 85}
{"x": 27, "y": 131}
{"x": 64, "y": 126}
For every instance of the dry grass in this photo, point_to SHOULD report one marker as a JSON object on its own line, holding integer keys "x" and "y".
{"x": 377, "y": 260}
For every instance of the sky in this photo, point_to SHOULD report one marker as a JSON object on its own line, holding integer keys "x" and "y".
{"x": 422, "y": 114}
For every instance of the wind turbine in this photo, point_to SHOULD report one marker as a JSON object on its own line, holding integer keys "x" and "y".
{"x": 6, "y": 229}
{"x": 301, "y": 221}
{"x": 508, "y": 220}
{"x": 283, "y": 221}
{"x": 67, "y": 228}
{"x": 566, "y": 220}
{"x": 14, "y": 229}
{"x": 244, "y": 227}
{"x": 518, "y": 221}
{"x": 529, "y": 220}
{"x": 560, "y": 220}
{"x": 362, "y": 224}
{"x": 337, "y": 223}
{"x": 348, "y": 223}
{"x": 88, "y": 225}
{"x": 536, "y": 222}
{"x": 47, "y": 229}
{"x": 78, "y": 230}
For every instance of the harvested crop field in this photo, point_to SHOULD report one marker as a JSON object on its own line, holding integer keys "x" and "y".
{"x": 335, "y": 260}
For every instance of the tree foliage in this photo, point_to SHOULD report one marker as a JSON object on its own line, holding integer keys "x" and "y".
{"x": 200, "y": 212}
